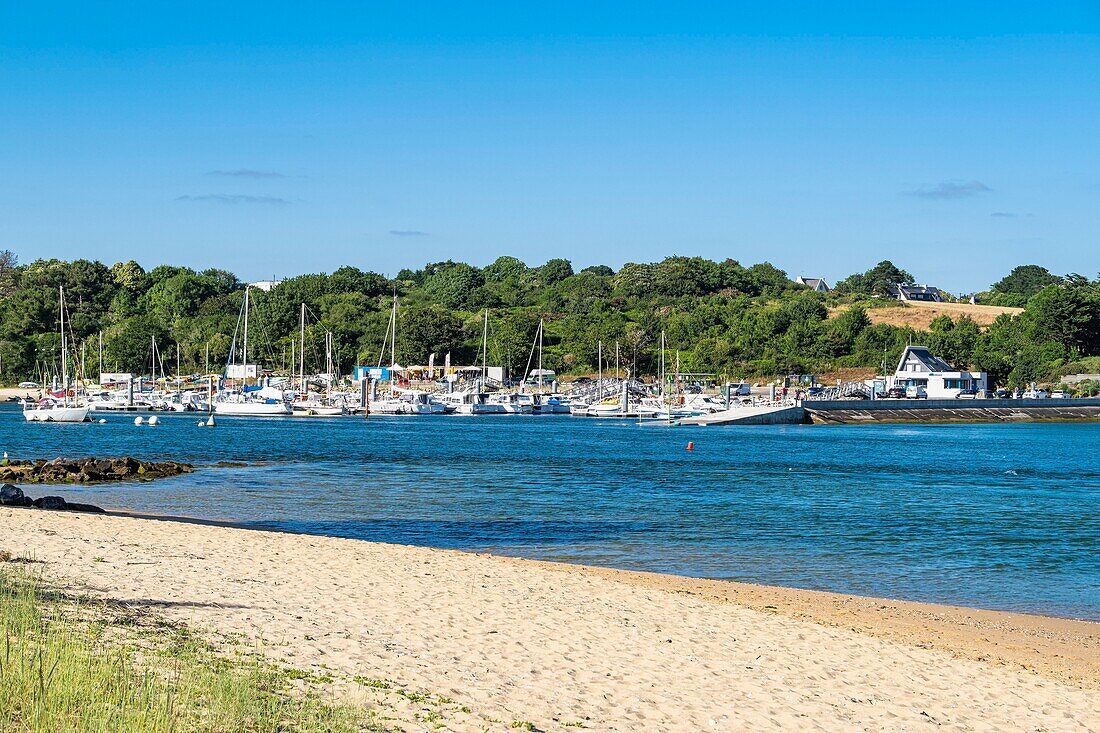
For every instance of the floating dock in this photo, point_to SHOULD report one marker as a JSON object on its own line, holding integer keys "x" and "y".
{"x": 754, "y": 415}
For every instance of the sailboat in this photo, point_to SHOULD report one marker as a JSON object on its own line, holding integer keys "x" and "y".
{"x": 403, "y": 401}
{"x": 552, "y": 403}
{"x": 318, "y": 405}
{"x": 474, "y": 400}
{"x": 66, "y": 406}
{"x": 248, "y": 401}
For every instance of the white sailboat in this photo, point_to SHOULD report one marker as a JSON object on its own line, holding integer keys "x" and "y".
{"x": 402, "y": 401}
{"x": 68, "y": 406}
{"x": 248, "y": 402}
{"x": 304, "y": 404}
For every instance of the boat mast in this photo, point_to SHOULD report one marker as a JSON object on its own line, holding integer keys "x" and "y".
{"x": 393, "y": 348}
{"x": 64, "y": 346}
{"x": 244, "y": 345}
{"x": 661, "y": 368}
{"x": 485, "y": 350}
{"x": 302, "y": 353}
{"x": 540, "y": 355}
{"x": 328, "y": 355}
{"x": 178, "y": 366}
{"x": 153, "y": 341}
{"x": 599, "y": 369}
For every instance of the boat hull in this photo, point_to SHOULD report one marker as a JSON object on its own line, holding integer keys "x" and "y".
{"x": 56, "y": 414}
{"x": 316, "y": 411}
{"x": 252, "y": 409}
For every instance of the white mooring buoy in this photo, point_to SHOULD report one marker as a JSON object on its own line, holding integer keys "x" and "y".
{"x": 154, "y": 420}
{"x": 139, "y": 420}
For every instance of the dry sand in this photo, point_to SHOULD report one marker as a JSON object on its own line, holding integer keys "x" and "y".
{"x": 511, "y": 640}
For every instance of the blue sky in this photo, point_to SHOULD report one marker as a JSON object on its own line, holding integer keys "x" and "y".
{"x": 274, "y": 139}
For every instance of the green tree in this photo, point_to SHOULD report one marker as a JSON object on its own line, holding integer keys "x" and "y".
{"x": 453, "y": 284}
{"x": 504, "y": 269}
{"x": 1025, "y": 281}
{"x": 423, "y": 330}
{"x": 554, "y": 271}
{"x": 875, "y": 280}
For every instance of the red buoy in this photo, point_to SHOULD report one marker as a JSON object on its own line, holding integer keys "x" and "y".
{"x": 691, "y": 446}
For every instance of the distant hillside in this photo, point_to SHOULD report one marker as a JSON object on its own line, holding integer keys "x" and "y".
{"x": 919, "y": 316}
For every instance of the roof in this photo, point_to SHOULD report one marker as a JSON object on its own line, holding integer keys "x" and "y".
{"x": 913, "y": 289}
{"x": 815, "y": 283}
{"x": 926, "y": 358}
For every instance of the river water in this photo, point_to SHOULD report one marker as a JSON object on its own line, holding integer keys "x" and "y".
{"x": 1000, "y": 516}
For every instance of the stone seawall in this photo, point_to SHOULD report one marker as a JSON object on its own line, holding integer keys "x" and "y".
{"x": 932, "y": 411}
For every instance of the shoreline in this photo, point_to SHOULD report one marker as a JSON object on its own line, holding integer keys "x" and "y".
{"x": 937, "y": 626}
{"x": 514, "y": 639}
{"x": 643, "y": 574}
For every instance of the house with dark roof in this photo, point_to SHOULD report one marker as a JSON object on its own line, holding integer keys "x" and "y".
{"x": 817, "y": 284}
{"x": 924, "y": 293}
{"x": 922, "y": 374}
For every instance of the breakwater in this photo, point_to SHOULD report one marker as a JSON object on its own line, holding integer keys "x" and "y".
{"x": 944, "y": 411}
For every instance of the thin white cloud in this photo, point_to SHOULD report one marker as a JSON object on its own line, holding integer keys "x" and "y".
{"x": 246, "y": 173}
{"x": 228, "y": 198}
{"x": 951, "y": 190}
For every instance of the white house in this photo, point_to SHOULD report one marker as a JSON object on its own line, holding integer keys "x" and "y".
{"x": 923, "y": 375}
{"x": 926, "y": 293}
{"x": 817, "y": 284}
{"x": 266, "y": 285}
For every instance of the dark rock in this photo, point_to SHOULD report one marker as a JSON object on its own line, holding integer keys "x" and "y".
{"x": 11, "y": 495}
{"x": 51, "y": 502}
{"x": 88, "y": 470}
{"x": 90, "y": 508}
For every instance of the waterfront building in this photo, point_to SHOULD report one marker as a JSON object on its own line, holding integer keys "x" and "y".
{"x": 922, "y": 374}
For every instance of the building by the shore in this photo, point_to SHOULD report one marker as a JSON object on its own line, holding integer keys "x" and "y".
{"x": 923, "y": 374}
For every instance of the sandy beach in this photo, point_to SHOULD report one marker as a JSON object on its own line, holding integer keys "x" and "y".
{"x": 504, "y": 641}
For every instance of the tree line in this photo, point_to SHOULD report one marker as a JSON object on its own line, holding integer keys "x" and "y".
{"x": 722, "y": 318}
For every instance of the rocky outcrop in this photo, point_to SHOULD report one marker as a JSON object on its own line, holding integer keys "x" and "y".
{"x": 89, "y": 470}
{"x": 14, "y": 496}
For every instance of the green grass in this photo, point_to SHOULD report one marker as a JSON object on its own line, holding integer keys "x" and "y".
{"x": 69, "y": 664}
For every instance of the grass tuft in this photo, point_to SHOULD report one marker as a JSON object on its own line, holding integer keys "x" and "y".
{"x": 69, "y": 664}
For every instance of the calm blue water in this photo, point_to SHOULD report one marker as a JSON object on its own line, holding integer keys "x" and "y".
{"x": 998, "y": 516}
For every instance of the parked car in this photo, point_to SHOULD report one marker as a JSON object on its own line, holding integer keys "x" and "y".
{"x": 967, "y": 394}
{"x": 1059, "y": 395}
{"x": 1036, "y": 394}
{"x": 915, "y": 392}
{"x": 895, "y": 393}
{"x": 1003, "y": 394}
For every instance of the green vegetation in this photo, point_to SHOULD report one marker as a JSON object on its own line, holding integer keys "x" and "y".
{"x": 75, "y": 665}
{"x": 723, "y": 318}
